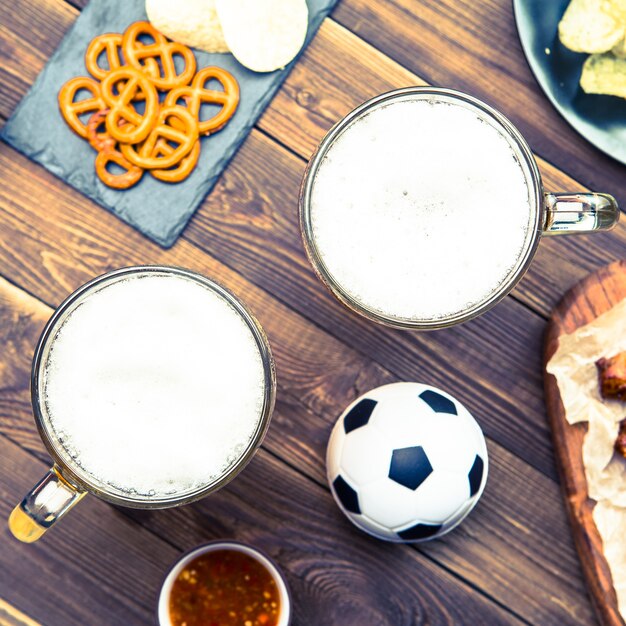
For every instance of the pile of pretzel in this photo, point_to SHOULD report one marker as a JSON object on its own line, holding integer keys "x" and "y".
{"x": 142, "y": 113}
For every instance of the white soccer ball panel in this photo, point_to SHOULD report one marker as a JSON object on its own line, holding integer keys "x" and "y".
{"x": 370, "y": 526}
{"x": 397, "y": 413}
{"x": 387, "y": 503}
{"x": 458, "y": 516}
{"x": 450, "y": 442}
{"x": 440, "y": 496}
{"x": 365, "y": 455}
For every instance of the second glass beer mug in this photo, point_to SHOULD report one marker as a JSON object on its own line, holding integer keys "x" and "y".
{"x": 151, "y": 387}
{"x": 424, "y": 207}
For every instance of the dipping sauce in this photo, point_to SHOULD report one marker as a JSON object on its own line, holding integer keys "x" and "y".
{"x": 224, "y": 588}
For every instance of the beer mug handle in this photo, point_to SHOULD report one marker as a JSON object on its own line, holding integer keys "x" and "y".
{"x": 570, "y": 213}
{"x": 47, "y": 502}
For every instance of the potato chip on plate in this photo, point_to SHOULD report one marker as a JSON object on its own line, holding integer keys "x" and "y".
{"x": 264, "y": 35}
{"x": 604, "y": 74}
{"x": 592, "y": 25}
{"x": 192, "y": 22}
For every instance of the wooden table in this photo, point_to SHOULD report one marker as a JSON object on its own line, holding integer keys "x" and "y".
{"x": 513, "y": 560}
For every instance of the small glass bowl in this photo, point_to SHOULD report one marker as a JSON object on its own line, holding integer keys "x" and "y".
{"x": 163, "y": 612}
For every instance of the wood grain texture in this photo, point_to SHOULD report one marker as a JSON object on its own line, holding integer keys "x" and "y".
{"x": 586, "y": 301}
{"x": 325, "y": 375}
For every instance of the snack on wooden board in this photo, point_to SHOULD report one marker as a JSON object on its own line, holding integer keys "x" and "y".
{"x": 620, "y": 441}
{"x": 129, "y": 126}
{"x": 598, "y": 27}
{"x": 591, "y": 389}
{"x": 612, "y": 376}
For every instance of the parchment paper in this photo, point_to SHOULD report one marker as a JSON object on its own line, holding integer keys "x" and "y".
{"x": 573, "y": 365}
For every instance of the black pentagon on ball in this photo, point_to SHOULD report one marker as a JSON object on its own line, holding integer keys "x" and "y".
{"x": 358, "y": 415}
{"x": 419, "y": 531}
{"x": 438, "y": 403}
{"x": 347, "y": 496}
{"x": 476, "y": 475}
{"x": 410, "y": 467}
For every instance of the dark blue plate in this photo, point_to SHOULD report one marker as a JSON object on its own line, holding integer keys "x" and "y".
{"x": 600, "y": 119}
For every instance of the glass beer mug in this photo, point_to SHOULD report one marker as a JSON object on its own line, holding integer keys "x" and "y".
{"x": 151, "y": 387}
{"x": 424, "y": 207}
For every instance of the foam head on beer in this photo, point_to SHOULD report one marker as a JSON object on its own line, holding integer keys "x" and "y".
{"x": 420, "y": 209}
{"x": 154, "y": 385}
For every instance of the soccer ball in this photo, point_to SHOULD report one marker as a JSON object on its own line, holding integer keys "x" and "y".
{"x": 406, "y": 462}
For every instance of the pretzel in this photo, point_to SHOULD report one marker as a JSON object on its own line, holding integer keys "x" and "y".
{"x": 161, "y": 51}
{"x": 184, "y": 135}
{"x": 111, "y": 45}
{"x": 119, "y": 88}
{"x": 196, "y": 94}
{"x": 180, "y": 171}
{"x": 131, "y": 175}
{"x": 99, "y": 141}
{"x": 71, "y": 109}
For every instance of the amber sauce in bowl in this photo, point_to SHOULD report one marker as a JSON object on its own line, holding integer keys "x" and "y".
{"x": 224, "y": 584}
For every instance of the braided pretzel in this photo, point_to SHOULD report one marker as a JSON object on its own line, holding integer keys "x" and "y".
{"x": 99, "y": 141}
{"x": 139, "y": 55}
{"x": 111, "y": 45}
{"x": 71, "y": 109}
{"x": 119, "y": 88}
{"x": 180, "y": 171}
{"x": 131, "y": 175}
{"x": 196, "y": 94}
{"x": 184, "y": 135}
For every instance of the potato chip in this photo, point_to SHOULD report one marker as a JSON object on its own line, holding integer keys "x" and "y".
{"x": 620, "y": 49}
{"x": 617, "y": 8}
{"x": 191, "y": 22}
{"x": 264, "y": 35}
{"x": 590, "y": 26}
{"x": 604, "y": 74}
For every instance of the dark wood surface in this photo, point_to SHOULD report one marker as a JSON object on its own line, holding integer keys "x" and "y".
{"x": 513, "y": 561}
{"x": 582, "y": 304}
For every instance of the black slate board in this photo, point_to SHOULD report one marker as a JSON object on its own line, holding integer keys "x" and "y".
{"x": 159, "y": 210}
{"x": 601, "y": 120}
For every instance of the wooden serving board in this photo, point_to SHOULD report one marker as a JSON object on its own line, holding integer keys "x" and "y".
{"x": 582, "y": 304}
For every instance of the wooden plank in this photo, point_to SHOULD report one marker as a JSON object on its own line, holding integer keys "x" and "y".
{"x": 249, "y": 510}
{"x": 521, "y": 517}
{"x": 474, "y": 47}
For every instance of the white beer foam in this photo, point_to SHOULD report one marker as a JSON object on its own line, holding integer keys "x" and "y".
{"x": 155, "y": 385}
{"x": 420, "y": 209}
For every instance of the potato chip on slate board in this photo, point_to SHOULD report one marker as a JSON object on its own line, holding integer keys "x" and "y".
{"x": 159, "y": 210}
